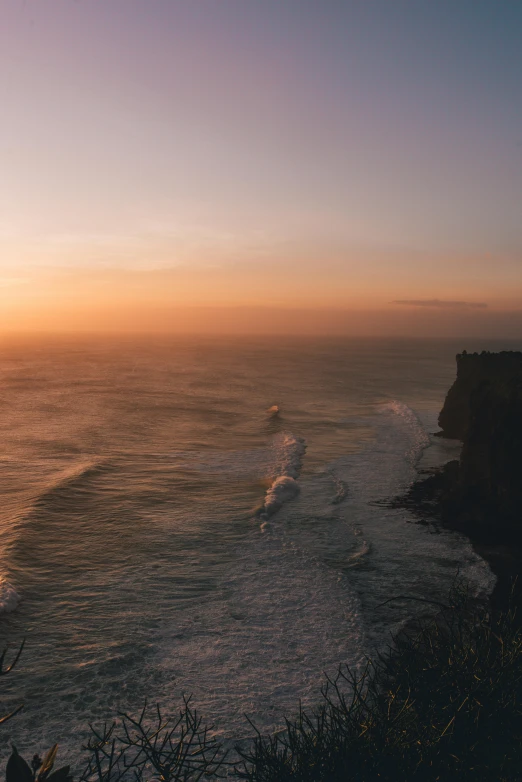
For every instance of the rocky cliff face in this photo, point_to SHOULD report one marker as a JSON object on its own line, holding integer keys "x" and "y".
{"x": 484, "y": 409}
{"x": 473, "y": 371}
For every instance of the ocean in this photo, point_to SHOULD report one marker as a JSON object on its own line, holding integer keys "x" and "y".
{"x": 208, "y": 516}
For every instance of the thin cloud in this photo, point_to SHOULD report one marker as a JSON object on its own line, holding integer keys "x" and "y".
{"x": 443, "y": 304}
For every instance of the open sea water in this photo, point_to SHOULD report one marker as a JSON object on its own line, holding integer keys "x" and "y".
{"x": 206, "y": 516}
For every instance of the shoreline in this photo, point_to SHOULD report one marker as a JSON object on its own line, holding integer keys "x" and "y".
{"x": 426, "y": 499}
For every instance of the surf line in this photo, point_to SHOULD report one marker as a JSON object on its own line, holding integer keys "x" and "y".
{"x": 290, "y": 451}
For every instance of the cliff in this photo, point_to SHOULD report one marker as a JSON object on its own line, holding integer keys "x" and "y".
{"x": 481, "y": 494}
{"x": 490, "y": 468}
{"x": 483, "y": 408}
{"x": 473, "y": 371}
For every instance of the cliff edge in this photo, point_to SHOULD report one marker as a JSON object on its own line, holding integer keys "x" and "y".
{"x": 474, "y": 371}
{"x": 481, "y": 493}
{"x": 483, "y": 408}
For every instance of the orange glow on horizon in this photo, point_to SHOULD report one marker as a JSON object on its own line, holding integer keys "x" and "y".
{"x": 245, "y": 299}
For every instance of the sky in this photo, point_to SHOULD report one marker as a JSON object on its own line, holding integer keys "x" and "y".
{"x": 332, "y": 166}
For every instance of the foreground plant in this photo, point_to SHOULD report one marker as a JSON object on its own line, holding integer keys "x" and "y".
{"x": 161, "y": 748}
{"x": 18, "y": 770}
{"x": 4, "y": 670}
{"x": 176, "y": 749}
{"x": 164, "y": 749}
{"x": 445, "y": 703}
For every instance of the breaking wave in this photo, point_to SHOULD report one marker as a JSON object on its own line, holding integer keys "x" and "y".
{"x": 9, "y": 597}
{"x": 283, "y": 489}
{"x": 341, "y": 491}
{"x": 420, "y": 439}
{"x": 289, "y": 453}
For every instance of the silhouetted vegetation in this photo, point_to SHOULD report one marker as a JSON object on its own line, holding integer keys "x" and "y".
{"x": 443, "y": 703}
{"x": 176, "y": 749}
{"x": 4, "y": 671}
{"x": 18, "y": 770}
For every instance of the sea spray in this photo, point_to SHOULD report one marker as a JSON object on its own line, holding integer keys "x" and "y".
{"x": 420, "y": 439}
{"x": 9, "y": 597}
{"x": 289, "y": 453}
{"x": 284, "y": 488}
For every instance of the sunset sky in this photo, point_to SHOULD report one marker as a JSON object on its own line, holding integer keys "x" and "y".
{"x": 261, "y": 165}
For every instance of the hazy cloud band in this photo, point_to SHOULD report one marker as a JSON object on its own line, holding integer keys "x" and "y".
{"x": 443, "y": 304}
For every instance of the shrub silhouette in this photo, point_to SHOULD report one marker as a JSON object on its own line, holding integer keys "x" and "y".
{"x": 177, "y": 749}
{"x": 444, "y": 703}
{"x": 4, "y": 671}
{"x": 18, "y": 770}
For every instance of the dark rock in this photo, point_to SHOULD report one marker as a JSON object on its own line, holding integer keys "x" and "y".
{"x": 474, "y": 369}
{"x": 481, "y": 494}
{"x": 490, "y": 472}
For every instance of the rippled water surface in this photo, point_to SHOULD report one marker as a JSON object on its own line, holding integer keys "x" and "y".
{"x": 202, "y": 516}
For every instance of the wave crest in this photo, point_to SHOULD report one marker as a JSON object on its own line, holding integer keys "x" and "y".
{"x": 289, "y": 453}
{"x": 420, "y": 437}
{"x": 9, "y": 597}
{"x": 67, "y": 482}
{"x": 283, "y": 489}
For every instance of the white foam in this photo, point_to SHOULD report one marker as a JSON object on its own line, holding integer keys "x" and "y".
{"x": 9, "y": 597}
{"x": 283, "y": 489}
{"x": 288, "y": 456}
{"x": 278, "y": 621}
{"x": 341, "y": 491}
{"x": 289, "y": 452}
{"x": 405, "y": 412}
{"x": 420, "y": 438}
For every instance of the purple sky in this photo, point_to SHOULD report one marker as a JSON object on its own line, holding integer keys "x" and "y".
{"x": 374, "y": 146}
